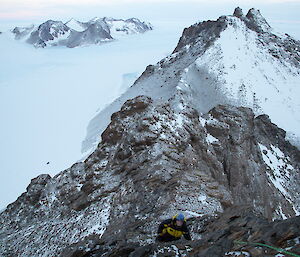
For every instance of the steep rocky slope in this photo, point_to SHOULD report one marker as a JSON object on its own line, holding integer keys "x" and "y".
{"x": 153, "y": 161}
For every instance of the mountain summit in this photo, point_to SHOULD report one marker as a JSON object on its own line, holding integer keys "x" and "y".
{"x": 231, "y": 172}
{"x": 237, "y": 59}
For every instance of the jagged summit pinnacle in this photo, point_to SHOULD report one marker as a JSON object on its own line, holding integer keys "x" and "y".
{"x": 253, "y": 19}
{"x": 208, "y": 31}
{"x": 238, "y": 12}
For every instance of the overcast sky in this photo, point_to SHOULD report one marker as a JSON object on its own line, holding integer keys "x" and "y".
{"x": 37, "y": 9}
{"x": 283, "y": 15}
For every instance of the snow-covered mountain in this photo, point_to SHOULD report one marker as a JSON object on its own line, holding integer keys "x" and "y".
{"x": 237, "y": 59}
{"x": 170, "y": 153}
{"x": 119, "y": 27}
{"x": 22, "y": 32}
{"x": 50, "y": 33}
{"x": 75, "y": 33}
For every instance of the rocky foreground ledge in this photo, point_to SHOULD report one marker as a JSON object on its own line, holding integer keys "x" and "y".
{"x": 218, "y": 236}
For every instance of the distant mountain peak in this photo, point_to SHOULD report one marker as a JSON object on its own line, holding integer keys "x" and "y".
{"x": 75, "y": 33}
{"x": 254, "y": 19}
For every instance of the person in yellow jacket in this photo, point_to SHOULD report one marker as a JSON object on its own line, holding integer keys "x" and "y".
{"x": 173, "y": 229}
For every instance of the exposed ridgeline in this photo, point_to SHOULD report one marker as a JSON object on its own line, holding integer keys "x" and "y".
{"x": 153, "y": 161}
{"x": 237, "y": 59}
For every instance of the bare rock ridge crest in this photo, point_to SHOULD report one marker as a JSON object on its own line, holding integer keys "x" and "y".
{"x": 231, "y": 172}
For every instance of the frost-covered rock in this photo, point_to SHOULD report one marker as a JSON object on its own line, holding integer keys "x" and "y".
{"x": 153, "y": 161}
{"x": 219, "y": 237}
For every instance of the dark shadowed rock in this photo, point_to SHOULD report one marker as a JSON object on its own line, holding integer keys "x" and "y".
{"x": 238, "y": 12}
{"x": 206, "y": 32}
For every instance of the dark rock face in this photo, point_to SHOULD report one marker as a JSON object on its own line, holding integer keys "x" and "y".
{"x": 153, "y": 161}
{"x": 238, "y": 12}
{"x": 248, "y": 176}
{"x": 206, "y": 32}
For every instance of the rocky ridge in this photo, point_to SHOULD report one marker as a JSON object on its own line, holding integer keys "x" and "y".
{"x": 153, "y": 161}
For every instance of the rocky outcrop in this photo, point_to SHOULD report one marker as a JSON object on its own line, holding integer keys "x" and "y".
{"x": 202, "y": 34}
{"x": 153, "y": 161}
{"x": 279, "y": 46}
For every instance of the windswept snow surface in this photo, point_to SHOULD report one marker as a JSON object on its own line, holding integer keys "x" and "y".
{"x": 48, "y": 96}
